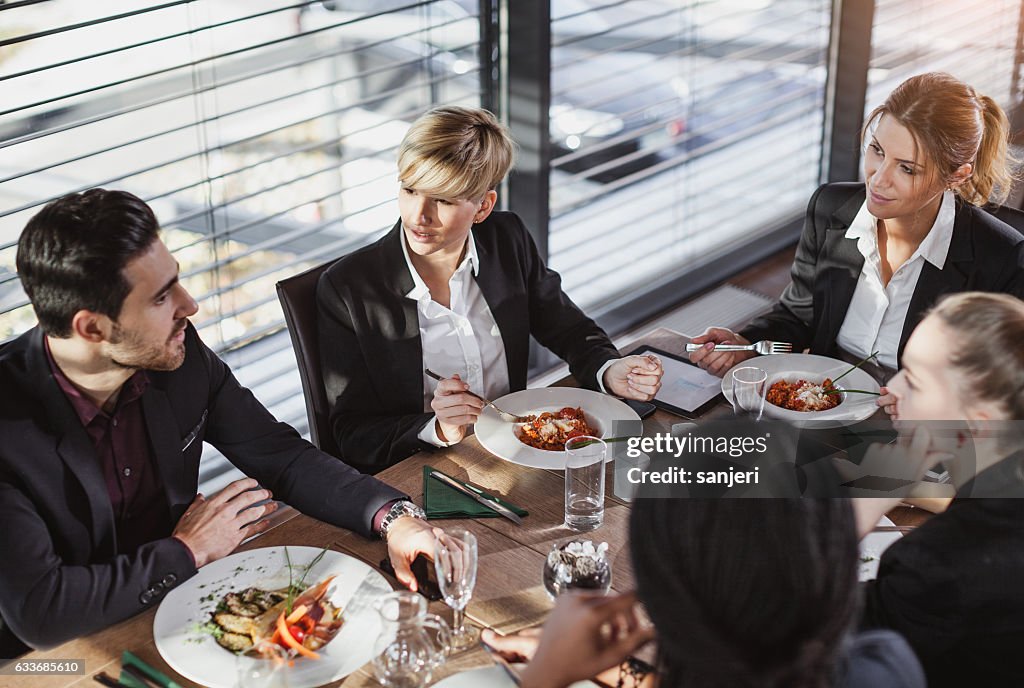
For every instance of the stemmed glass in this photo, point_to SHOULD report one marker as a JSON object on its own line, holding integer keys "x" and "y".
{"x": 455, "y": 556}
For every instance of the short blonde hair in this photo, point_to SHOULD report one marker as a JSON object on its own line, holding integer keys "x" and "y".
{"x": 455, "y": 153}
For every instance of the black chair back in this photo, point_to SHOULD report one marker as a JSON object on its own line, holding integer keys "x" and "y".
{"x": 1011, "y": 216}
{"x": 298, "y": 300}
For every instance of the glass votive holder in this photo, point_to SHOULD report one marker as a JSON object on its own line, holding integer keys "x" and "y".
{"x": 577, "y": 565}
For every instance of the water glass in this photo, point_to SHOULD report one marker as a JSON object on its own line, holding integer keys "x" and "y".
{"x": 455, "y": 558}
{"x": 584, "y": 483}
{"x": 749, "y": 385}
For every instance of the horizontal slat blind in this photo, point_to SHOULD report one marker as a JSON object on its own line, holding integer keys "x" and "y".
{"x": 263, "y": 132}
{"x": 974, "y": 41}
{"x": 680, "y": 131}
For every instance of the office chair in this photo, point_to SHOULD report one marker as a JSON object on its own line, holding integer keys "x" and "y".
{"x": 1009, "y": 215}
{"x": 298, "y": 300}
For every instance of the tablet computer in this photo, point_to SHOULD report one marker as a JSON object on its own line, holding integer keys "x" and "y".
{"x": 686, "y": 390}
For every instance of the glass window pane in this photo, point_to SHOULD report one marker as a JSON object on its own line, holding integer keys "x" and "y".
{"x": 680, "y": 131}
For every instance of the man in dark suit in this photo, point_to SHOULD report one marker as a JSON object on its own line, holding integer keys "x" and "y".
{"x": 105, "y": 409}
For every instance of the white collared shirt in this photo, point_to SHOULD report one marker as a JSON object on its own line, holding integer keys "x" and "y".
{"x": 875, "y": 318}
{"x": 463, "y": 338}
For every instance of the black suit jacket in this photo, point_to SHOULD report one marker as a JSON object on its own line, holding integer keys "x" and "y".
{"x": 60, "y": 573}
{"x": 953, "y": 587}
{"x": 370, "y": 346}
{"x": 984, "y": 255}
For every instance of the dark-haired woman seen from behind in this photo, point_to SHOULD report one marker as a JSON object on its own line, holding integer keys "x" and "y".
{"x": 742, "y": 593}
{"x": 875, "y": 256}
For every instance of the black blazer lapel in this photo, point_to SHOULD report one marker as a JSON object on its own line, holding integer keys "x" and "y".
{"x": 842, "y": 270}
{"x": 405, "y": 350}
{"x": 74, "y": 446}
{"x": 164, "y": 441}
{"x": 494, "y": 285}
{"x": 934, "y": 283}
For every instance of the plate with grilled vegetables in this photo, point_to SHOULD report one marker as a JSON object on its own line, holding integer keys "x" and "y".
{"x": 312, "y": 606}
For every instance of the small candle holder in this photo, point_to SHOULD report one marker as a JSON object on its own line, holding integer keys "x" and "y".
{"x": 579, "y": 565}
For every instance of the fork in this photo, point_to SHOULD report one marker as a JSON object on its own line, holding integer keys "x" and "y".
{"x": 504, "y": 415}
{"x": 763, "y": 347}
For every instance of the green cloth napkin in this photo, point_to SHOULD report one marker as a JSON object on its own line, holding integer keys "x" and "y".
{"x": 132, "y": 682}
{"x": 444, "y": 502}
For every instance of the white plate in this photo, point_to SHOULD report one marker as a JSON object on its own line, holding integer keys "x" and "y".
{"x": 489, "y": 677}
{"x": 792, "y": 367}
{"x": 197, "y": 656}
{"x": 871, "y": 548}
{"x": 498, "y": 436}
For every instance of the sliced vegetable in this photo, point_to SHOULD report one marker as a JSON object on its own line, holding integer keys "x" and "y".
{"x": 297, "y": 632}
{"x": 291, "y": 642}
{"x": 299, "y": 612}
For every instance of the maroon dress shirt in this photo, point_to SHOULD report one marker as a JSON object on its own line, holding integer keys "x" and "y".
{"x": 134, "y": 485}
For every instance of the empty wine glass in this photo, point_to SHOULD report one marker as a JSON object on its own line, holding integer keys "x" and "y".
{"x": 455, "y": 556}
{"x": 748, "y": 390}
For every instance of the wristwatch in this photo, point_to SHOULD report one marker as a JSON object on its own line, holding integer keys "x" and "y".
{"x": 399, "y": 509}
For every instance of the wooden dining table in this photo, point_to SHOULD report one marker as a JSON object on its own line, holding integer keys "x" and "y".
{"x": 509, "y": 594}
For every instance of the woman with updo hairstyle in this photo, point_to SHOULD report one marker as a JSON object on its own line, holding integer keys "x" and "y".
{"x": 874, "y": 256}
{"x": 953, "y": 587}
{"x": 742, "y": 593}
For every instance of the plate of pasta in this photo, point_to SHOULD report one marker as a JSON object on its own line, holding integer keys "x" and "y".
{"x": 556, "y": 415}
{"x": 804, "y": 389}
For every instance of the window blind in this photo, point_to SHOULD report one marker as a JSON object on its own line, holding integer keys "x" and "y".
{"x": 263, "y": 133}
{"x": 680, "y": 131}
{"x": 974, "y": 41}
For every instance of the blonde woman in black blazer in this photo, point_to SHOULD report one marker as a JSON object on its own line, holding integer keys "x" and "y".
{"x": 449, "y": 251}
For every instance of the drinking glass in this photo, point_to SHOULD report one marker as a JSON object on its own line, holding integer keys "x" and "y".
{"x": 584, "y": 483}
{"x": 748, "y": 390}
{"x": 455, "y": 556}
{"x": 268, "y": 671}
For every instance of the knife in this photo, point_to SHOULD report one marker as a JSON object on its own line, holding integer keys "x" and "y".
{"x": 479, "y": 495}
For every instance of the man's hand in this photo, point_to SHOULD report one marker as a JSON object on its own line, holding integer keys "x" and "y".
{"x": 212, "y": 528}
{"x": 584, "y": 635}
{"x": 717, "y": 362}
{"x": 409, "y": 537}
{"x": 634, "y": 377}
{"x": 454, "y": 408}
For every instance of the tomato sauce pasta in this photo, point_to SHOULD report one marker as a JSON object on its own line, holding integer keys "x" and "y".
{"x": 803, "y": 395}
{"x": 550, "y": 431}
